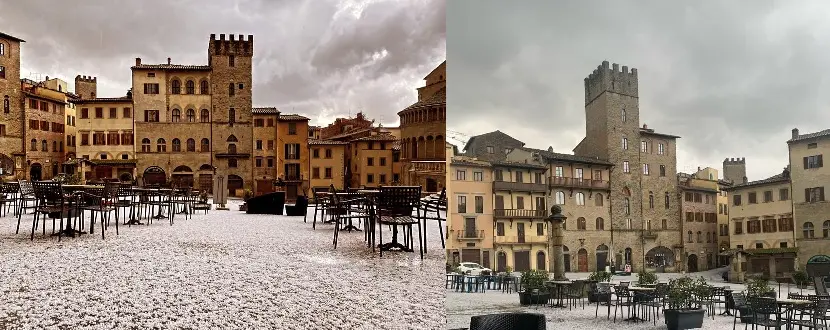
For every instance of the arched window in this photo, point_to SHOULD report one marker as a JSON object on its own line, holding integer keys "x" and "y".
{"x": 6, "y": 103}
{"x": 231, "y": 148}
{"x": 689, "y": 237}
{"x": 176, "y": 87}
{"x": 699, "y": 237}
{"x": 708, "y": 237}
{"x": 203, "y": 87}
{"x": 598, "y": 200}
{"x": 44, "y": 146}
{"x": 600, "y": 224}
{"x": 580, "y": 198}
{"x": 627, "y": 206}
{"x": 825, "y": 229}
{"x": 205, "y": 116}
{"x": 623, "y": 115}
{"x": 33, "y": 145}
{"x": 231, "y": 90}
{"x": 807, "y": 230}
{"x": 650, "y": 200}
{"x": 191, "y": 145}
{"x": 177, "y": 115}
{"x": 161, "y": 145}
{"x": 177, "y": 145}
{"x": 145, "y": 145}
{"x": 191, "y": 115}
{"x": 205, "y": 145}
{"x": 190, "y": 87}
{"x": 560, "y": 198}
{"x": 232, "y": 138}
{"x": 580, "y": 223}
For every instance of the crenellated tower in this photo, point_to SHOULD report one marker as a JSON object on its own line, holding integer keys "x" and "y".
{"x": 86, "y": 86}
{"x": 734, "y": 169}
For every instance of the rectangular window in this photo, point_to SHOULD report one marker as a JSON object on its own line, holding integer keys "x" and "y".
{"x": 151, "y": 116}
{"x": 625, "y": 143}
{"x": 462, "y": 204}
{"x": 292, "y": 151}
{"x": 231, "y": 61}
{"x": 127, "y": 113}
{"x": 151, "y": 88}
{"x": 370, "y": 178}
{"x": 663, "y": 170}
{"x": 270, "y": 161}
{"x": 479, "y": 200}
{"x": 736, "y": 200}
{"x": 328, "y": 173}
{"x": 490, "y": 149}
{"x": 813, "y": 161}
{"x": 382, "y": 179}
{"x": 270, "y": 144}
{"x": 768, "y": 196}
{"x": 259, "y": 122}
{"x": 231, "y": 116}
{"x": 559, "y": 172}
{"x": 626, "y": 168}
{"x": 270, "y": 122}
{"x": 151, "y": 74}
{"x": 328, "y": 153}
{"x": 812, "y": 195}
{"x": 461, "y": 175}
{"x": 370, "y": 161}
{"x": 258, "y": 144}
{"x": 660, "y": 149}
{"x": 259, "y": 162}
{"x": 2, "y": 71}
{"x": 382, "y": 161}
{"x": 478, "y": 176}
{"x": 520, "y": 202}
{"x": 113, "y": 112}
{"x": 645, "y": 169}
{"x": 752, "y": 198}
{"x": 315, "y": 153}
{"x": 292, "y": 128}
{"x": 783, "y": 194}
{"x": 644, "y": 146}
{"x": 84, "y": 113}
{"x": 739, "y": 227}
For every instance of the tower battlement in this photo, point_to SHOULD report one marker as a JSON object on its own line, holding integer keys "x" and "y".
{"x": 231, "y": 46}
{"x": 734, "y": 161}
{"x": 611, "y": 79}
{"x": 89, "y": 79}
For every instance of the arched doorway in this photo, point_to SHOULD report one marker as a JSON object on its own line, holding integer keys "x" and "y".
{"x": 35, "y": 172}
{"x": 629, "y": 257}
{"x": 432, "y": 185}
{"x": 154, "y": 175}
{"x": 501, "y": 261}
{"x": 660, "y": 257}
{"x": 540, "y": 261}
{"x": 566, "y": 254}
{"x": 582, "y": 260}
{"x": 206, "y": 178}
{"x": 183, "y": 176}
{"x": 234, "y": 182}
{"x": 6, "y": 165}
{"x": 125, "y": 177}
{"x": 602, "y": 257}
{"x": 692, "y": 263}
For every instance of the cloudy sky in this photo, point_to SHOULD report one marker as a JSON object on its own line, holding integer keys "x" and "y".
{"x": 733, "y": 78}
{"x": 320, "y": 58}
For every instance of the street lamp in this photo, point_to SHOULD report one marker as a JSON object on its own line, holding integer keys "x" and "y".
{"x": 557, "y": 255}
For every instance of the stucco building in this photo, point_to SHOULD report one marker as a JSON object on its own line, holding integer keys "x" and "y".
{"x": 12, "y": 116}
{"x": 327, "y": 160}
{"x": 723, "y": 222}
{"x": 265, "y": 150}
{"x": 699, "y": 203}
{"x": 761, "y": 223}
{"x": 44, "y": 130}
{"x": 70, "y": 113}
{"x": 192, "y": 119}
{"x": 292, "y": 157}
{"x": 470, "y": 227}
{"x": 810, "y": 179}
{"x": 372, "y": 161}
{"x": 645, "y": 166}
{"x": 104, "y": 133}
{"x": 422, "y": 131}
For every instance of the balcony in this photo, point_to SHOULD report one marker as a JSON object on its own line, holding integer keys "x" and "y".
{"x": 519, "y": 214}
{"x": 558, "y": 181}
{"x": 438, "y": 167}
{"x": 648, "y": 234}
{"x": 527, "y": 239}
{"x": 470, "y": 235}
{"x": 519, "y": 186}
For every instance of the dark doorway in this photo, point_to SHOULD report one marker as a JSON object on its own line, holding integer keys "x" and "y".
{"x": 521, "y": 261}
{"x": 432, "y": 185}
{"x": 154, "y": 175}
{"x": 234, "y": 183}
{"x": 471, "y": 255}
{"x": 567, "y": 256}
{"x": 692, "y": 263}
{"x": 540, "y": 261}
{"x": 501, "y": 261}
{"x": 520, "y": 231}
{"x": 582, "y": 260}
{"x": 602, "y": 257}
{"x": 206, "y": 182}
{"x": 35, "y": 172}
{"x": 485, "y": 259}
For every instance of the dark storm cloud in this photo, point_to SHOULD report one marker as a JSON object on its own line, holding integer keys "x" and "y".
{"x": 732, "y": 78}
{"x": 321, "y": 58}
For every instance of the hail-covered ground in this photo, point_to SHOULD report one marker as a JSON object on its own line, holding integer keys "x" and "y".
{"x": 462, "y": 306}
{"x": 224, "y": 270}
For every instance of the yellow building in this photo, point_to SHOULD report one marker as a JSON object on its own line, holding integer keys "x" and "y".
{"x": 372, "y": 161}
{"x": 723, "y": 221}
{"x": 809, "y": 180}
{"x": 761, "y": 223}
{"x": 470, "y": 221}
{"x": 699, "y": 203}
{"x": 44, "y": 132}
{"x": 265, "y": 150}
{"x": 70, "y": 113}
{"x": 327, "y": 163}
{"x": 292, "y": 154}
{"x": 105, "y": 135}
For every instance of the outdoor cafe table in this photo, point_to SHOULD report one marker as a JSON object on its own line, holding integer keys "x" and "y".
{"x": 72, "y": 190}
{"x": 638, "y": 289}
{"x": 371, "y": 194}
{"x": 558, "y": 285}
{"x": 789, "y": 305}
{"x": 730, "y": 302}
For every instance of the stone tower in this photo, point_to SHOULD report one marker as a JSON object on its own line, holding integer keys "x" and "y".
{"x": 734, "y": 169}
{"x": 231, "y": 77}
{"x": 12, "y": 115}
{"x": 86, "y": 86}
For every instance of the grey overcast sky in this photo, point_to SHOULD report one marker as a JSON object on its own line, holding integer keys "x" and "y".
{"x": 732, "y": 78}
{"x": 320, "y": 58}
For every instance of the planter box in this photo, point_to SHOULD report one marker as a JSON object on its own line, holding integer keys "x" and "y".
{"x": 684, "y": 319}
{"x": 528, "y": 298}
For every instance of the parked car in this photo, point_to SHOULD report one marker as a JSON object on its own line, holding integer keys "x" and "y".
{"x": 472, "y": 268}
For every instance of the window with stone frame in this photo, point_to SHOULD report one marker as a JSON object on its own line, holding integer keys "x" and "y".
{"x": 769, "y": 225}
{"x": 807, "y": 230}
{"x": 6, "y": 103}
{"x": 33, "y": 145}
{"x": 191, "y": 145}
{"x": 783, "y": 194}
{"x": 204, "y": 87}
{"x": 177, "y": 145}
{"x": 190, "y": 87}
{"x": 161, "y": 145}
{"x": 662, "y": 170}
{"x": 736, "y": 200}
{"x": 667, "y": 200}
{"x": 650, "y": 200}
{"x": 145, "y": 145}
{"x": 739, "y": 227}
{"x": 205, "y": 116}
{"x": 126, "y": 113}
{"x": 176, "y": 116}
{"x": 191, "y": 115}
{"x": 205, "y": 145}
{"x": 753, "y": 226}
{"x": 600, "y": 224}
{"x": 176, "y": 87}
{"x": 752, "y": 198}
{"x": 767, "y": 196}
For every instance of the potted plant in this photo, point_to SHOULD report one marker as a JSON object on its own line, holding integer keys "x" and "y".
{"x": 758, "y": 286}
{"x": 246, "y": 195}
{"x": 801, "y": 279}
{"x": 682, "y": 311}
{"x": 646, "y": 278}
{"x": 534, "y": 290}
{"x": 593, "y": 279}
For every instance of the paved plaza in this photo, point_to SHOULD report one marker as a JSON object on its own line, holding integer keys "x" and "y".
{"x": 461, "y": 306}
{"x": 224, "y": 270}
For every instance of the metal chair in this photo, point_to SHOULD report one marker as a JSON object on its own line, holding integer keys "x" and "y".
{"x": 508, "y": 321}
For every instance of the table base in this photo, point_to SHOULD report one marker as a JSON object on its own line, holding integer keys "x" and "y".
{"x": 394, "y": 246}
{"x": 134, "y": 222}
{"x": 69, "y": 232}
{"x": 350, "y": 228}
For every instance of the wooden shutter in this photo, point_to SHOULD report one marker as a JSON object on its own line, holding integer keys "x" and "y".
{"x": 820, "y": 161}
{"x": 805, "y": 162}
{"x": 821, "y": 193}
{"x": 807, "y": 194}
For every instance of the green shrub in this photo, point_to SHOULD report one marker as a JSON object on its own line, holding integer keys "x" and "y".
{"x": 758, "y": 286}
{"x": 534, "y": 279}
{"x": 600, "y": 276}
{"x": 801, "y": 278}
{"x": 645, "y": 277}
{"x": 682, "y": 292}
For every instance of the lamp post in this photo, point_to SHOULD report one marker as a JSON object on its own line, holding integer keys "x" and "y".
{"x": 557, "y": 256}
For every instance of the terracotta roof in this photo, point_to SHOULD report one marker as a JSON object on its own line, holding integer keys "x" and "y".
{"x": 778, "y": 178}
{"x": 42, "y": 97}
{"x": 466, "y": 161}
{"x": 652, "y": 132}
{"x": 171, "y": 67}
{"x": 312, "y": 142}
{"x": 568, "y": 157}
{"x": 802, "y": 137}
{"x": 102, "y": 100}
{"x": 6, "y": 36}
{"x": 439, "y": 98}
{"x": 352, "y": 132}
{"x": 517, "y": 164}
{"x": 497, "y": 136}
{"x": 265, "y": 111}
{"x": 379, "y": 137}
{"x": 292, "y": 117}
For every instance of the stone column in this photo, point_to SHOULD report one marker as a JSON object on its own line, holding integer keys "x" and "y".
{"x": 556, "y": 253}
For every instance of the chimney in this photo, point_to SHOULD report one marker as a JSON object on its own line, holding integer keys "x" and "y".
{"x": 645, "y": 126}
{"x": 795, "y": 133}
{"x": 168, "y": 61}
{"x": 137, "y": 61}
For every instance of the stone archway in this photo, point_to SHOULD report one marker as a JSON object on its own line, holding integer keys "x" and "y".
{"x": 183, "y": 176}
{"x": 660, "y": 257}
{"x": 691, "y": 260}
{"x": 235, "y": 182}
{"x": 501, "y": 261}
{"x": 582, "y": 260}
{"x": 154, "y": 175}
{"x": 602, "y": 257}
{"x": 35, "y": 172}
